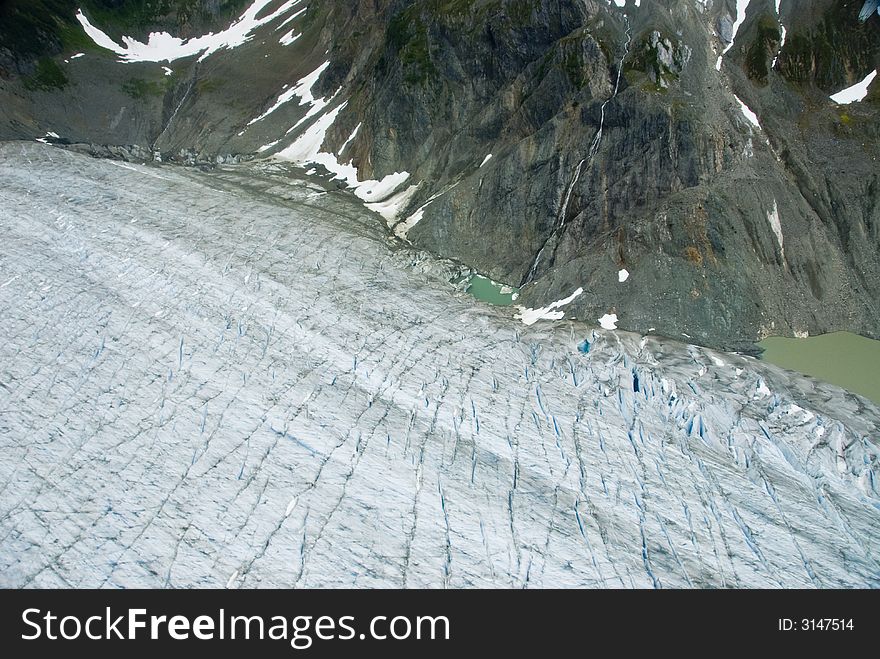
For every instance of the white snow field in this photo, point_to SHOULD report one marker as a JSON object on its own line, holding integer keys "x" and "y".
{"x": 230, "y": 379}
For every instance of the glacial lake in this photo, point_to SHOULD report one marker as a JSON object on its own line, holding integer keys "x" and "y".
{"x": 847, "y": 360}
{"x": 490, "y": 291}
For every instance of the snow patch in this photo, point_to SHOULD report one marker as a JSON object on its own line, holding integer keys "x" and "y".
{"x": 741, "y": 6}
{"x": 797, "y": 409}
{"x": 550, "y": 312}
{"x": 303, "y": 90}
{"x": 773, "y": 219}
{"x": 747, "y": 113}
{"x": 350, "y": 138}
{"x": 856, "y": 93}
{"x": 307, "y": 149}
{"x": 403, "y": 227}
{"x": 162, "y": 47}
{"x": 289, "y": 38}
{"x": 608, "y": 321}
{"x": 49, "y": 135}
{"x": 390, "y": 207}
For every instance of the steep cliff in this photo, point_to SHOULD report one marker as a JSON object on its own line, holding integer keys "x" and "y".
{"x": 691, "y": 143}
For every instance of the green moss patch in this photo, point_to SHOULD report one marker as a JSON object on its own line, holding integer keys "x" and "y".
{"x": 47, "y": 76}
{"x": 762, "y": 49}
{"x": 140, "y": 88}
{"x": 407, "y": 38}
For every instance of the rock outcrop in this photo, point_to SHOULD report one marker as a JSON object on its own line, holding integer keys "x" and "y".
{"x": 692, "y": 143}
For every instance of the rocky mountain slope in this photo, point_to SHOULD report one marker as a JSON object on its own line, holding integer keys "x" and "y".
{"x": 691, "y": 143}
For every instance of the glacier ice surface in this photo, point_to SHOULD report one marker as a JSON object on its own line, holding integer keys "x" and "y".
{"x": 237, "y": 379}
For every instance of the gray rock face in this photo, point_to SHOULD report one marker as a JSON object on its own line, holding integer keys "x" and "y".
{"x": 237, "y": 378}
{"x": 615, "y": 144}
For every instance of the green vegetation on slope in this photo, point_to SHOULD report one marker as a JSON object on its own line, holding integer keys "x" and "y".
{"x": 834, "y": 53}
{"x": 33, "y": 29}
{"x": 763, "y": 48}
{"x": 47, "y": 76}
{"x": 407, "y": 38}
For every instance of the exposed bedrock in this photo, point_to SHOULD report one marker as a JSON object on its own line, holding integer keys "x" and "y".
{"x": 742, "y": 200}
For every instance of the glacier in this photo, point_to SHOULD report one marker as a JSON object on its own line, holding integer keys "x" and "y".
{"x": 235, "y": 378}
